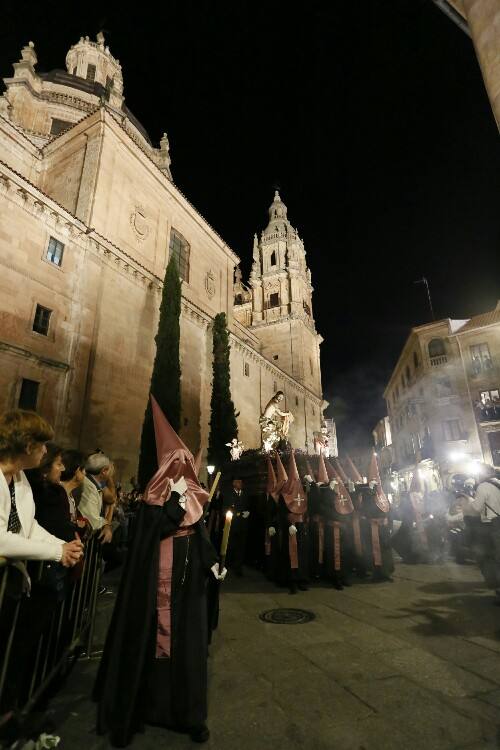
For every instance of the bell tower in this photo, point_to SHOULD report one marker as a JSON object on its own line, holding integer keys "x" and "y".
{"x": 282, "y": 315}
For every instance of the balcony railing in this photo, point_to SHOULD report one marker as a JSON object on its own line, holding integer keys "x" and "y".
{"x": 438, "y": 361}
{"x": 488, "y": 412}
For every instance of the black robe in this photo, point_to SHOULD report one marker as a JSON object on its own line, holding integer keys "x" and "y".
{"x": 132, "y": 686}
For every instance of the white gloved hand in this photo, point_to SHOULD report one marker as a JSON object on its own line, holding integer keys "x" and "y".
{"x": 215, "y": 571}
{"x": 245, "y": 514}
{"x": 351, "y": 486}
{"x": 180, "y": 486}
{"x": 272, "y": 531}
{"x": 292, "y": 530}
{"x": 309, "y": 478}
{"x": 333, "y": 484}
{"x": 373, "y": 484}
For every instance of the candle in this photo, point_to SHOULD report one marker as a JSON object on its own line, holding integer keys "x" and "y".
{"x": 225, "y": 534}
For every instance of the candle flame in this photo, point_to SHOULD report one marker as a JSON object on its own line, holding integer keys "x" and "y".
{"x": 229, "y": 515}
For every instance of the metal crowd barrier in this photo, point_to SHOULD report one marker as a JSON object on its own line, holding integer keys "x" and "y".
{"x": 69, "y": 631}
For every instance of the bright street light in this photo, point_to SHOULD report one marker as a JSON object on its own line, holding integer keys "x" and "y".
{"x": 210, "y": 469}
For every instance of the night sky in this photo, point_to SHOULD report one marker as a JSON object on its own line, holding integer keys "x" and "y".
{"x": 370, "y": 116}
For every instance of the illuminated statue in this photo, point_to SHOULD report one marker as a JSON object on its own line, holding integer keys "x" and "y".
{"x": 274, "y": 423}
{"x": 236, "y": 448}
{"x": 322, "y": 441}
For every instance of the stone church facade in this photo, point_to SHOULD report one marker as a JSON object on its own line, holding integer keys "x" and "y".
{"x": 88, "y": 217}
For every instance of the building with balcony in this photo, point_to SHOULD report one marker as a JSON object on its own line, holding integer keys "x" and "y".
{"x": 443, "y": 397}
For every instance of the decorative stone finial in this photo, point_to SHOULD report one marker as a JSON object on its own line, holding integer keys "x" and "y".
{"x": 165, "y": 160}
{"x": 28, "y": 54}
{"x": 100, "y": 39}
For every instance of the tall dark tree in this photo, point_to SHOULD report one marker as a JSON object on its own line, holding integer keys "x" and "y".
{"x": 223, "y": 425}
{"x": 166, "y": 377}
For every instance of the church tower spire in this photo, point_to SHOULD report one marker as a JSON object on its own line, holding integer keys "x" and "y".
{"x": 281, "y": 311}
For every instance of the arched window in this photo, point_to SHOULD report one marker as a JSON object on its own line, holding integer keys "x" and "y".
{"x": 273, "y": 258}
{"x": 416, "y": 361}
{"x": 179, "y": 249}
{"x": 407, "y": 373}
{"x": 436, "y": 348}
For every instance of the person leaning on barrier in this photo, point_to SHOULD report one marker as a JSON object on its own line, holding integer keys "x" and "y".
{"x": 98, "y": 470}
{"x": 23, "y": 435}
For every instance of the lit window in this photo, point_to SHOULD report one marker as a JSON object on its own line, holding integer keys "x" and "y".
{"x": 481, "y": 358}
{"x": 42, "y": 320}
{"x": 179, "y": 249}
{"x": 488, "y": 396}
{"x": 55, "y": 252}
{"x": 28, "y": 396}
{"x": 246, "y": 369}
{"x": 452, "y": 430}
{"x": 91, "y": 73}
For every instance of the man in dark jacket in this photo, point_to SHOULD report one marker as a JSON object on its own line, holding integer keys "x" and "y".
{"x": 237, "y": 501}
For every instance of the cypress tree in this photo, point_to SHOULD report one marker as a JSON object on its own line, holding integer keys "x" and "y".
{"x": 223, "y": 425}
{"x": 166, "y": 376}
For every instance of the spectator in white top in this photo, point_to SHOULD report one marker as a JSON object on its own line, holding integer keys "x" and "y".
{"x": 98, "y": 468}
{"x": 487, "y": 497}
{"x": 23, "y": 435}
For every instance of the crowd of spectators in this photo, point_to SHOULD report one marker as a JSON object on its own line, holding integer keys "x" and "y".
{"x": 53, "y": 502}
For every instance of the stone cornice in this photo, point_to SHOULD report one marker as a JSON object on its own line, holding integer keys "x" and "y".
{"x": 22, "y": 192}
{"x": 18, "y": 351}
{"x": 195, "y": 313}
{"x": 34, "y": 149}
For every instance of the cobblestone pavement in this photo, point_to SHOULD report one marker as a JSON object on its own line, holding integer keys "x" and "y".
{"x": 409, "y": 664}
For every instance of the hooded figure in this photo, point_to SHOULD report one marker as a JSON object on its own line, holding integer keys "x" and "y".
{"x": 293, "y": 528}
{"x": 335, "y": 509}
{"x": 154, "y": 664}
{"x": 377, "y": 531}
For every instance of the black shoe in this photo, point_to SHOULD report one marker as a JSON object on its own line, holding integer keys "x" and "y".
{"x": 303, "y": 587}
{"x": 338, "y": 586}
{"x": 293, "y": 588}
{"x": 200, "y": 734}
{"x": 346, "y": 583}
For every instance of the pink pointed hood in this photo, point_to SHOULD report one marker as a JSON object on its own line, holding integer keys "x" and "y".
{"x": 174, "y": 461}
{"x": 337, "y": 466}
{"x": 271, "y": 480}
{"x": 374, "y": 476}
{"x": 281, "y": 475}
{"x": 197, "y": 461}
{"x": 352, "y": 471}
{"x": 293, "y": 492}
{"x": 322, "y": 471}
